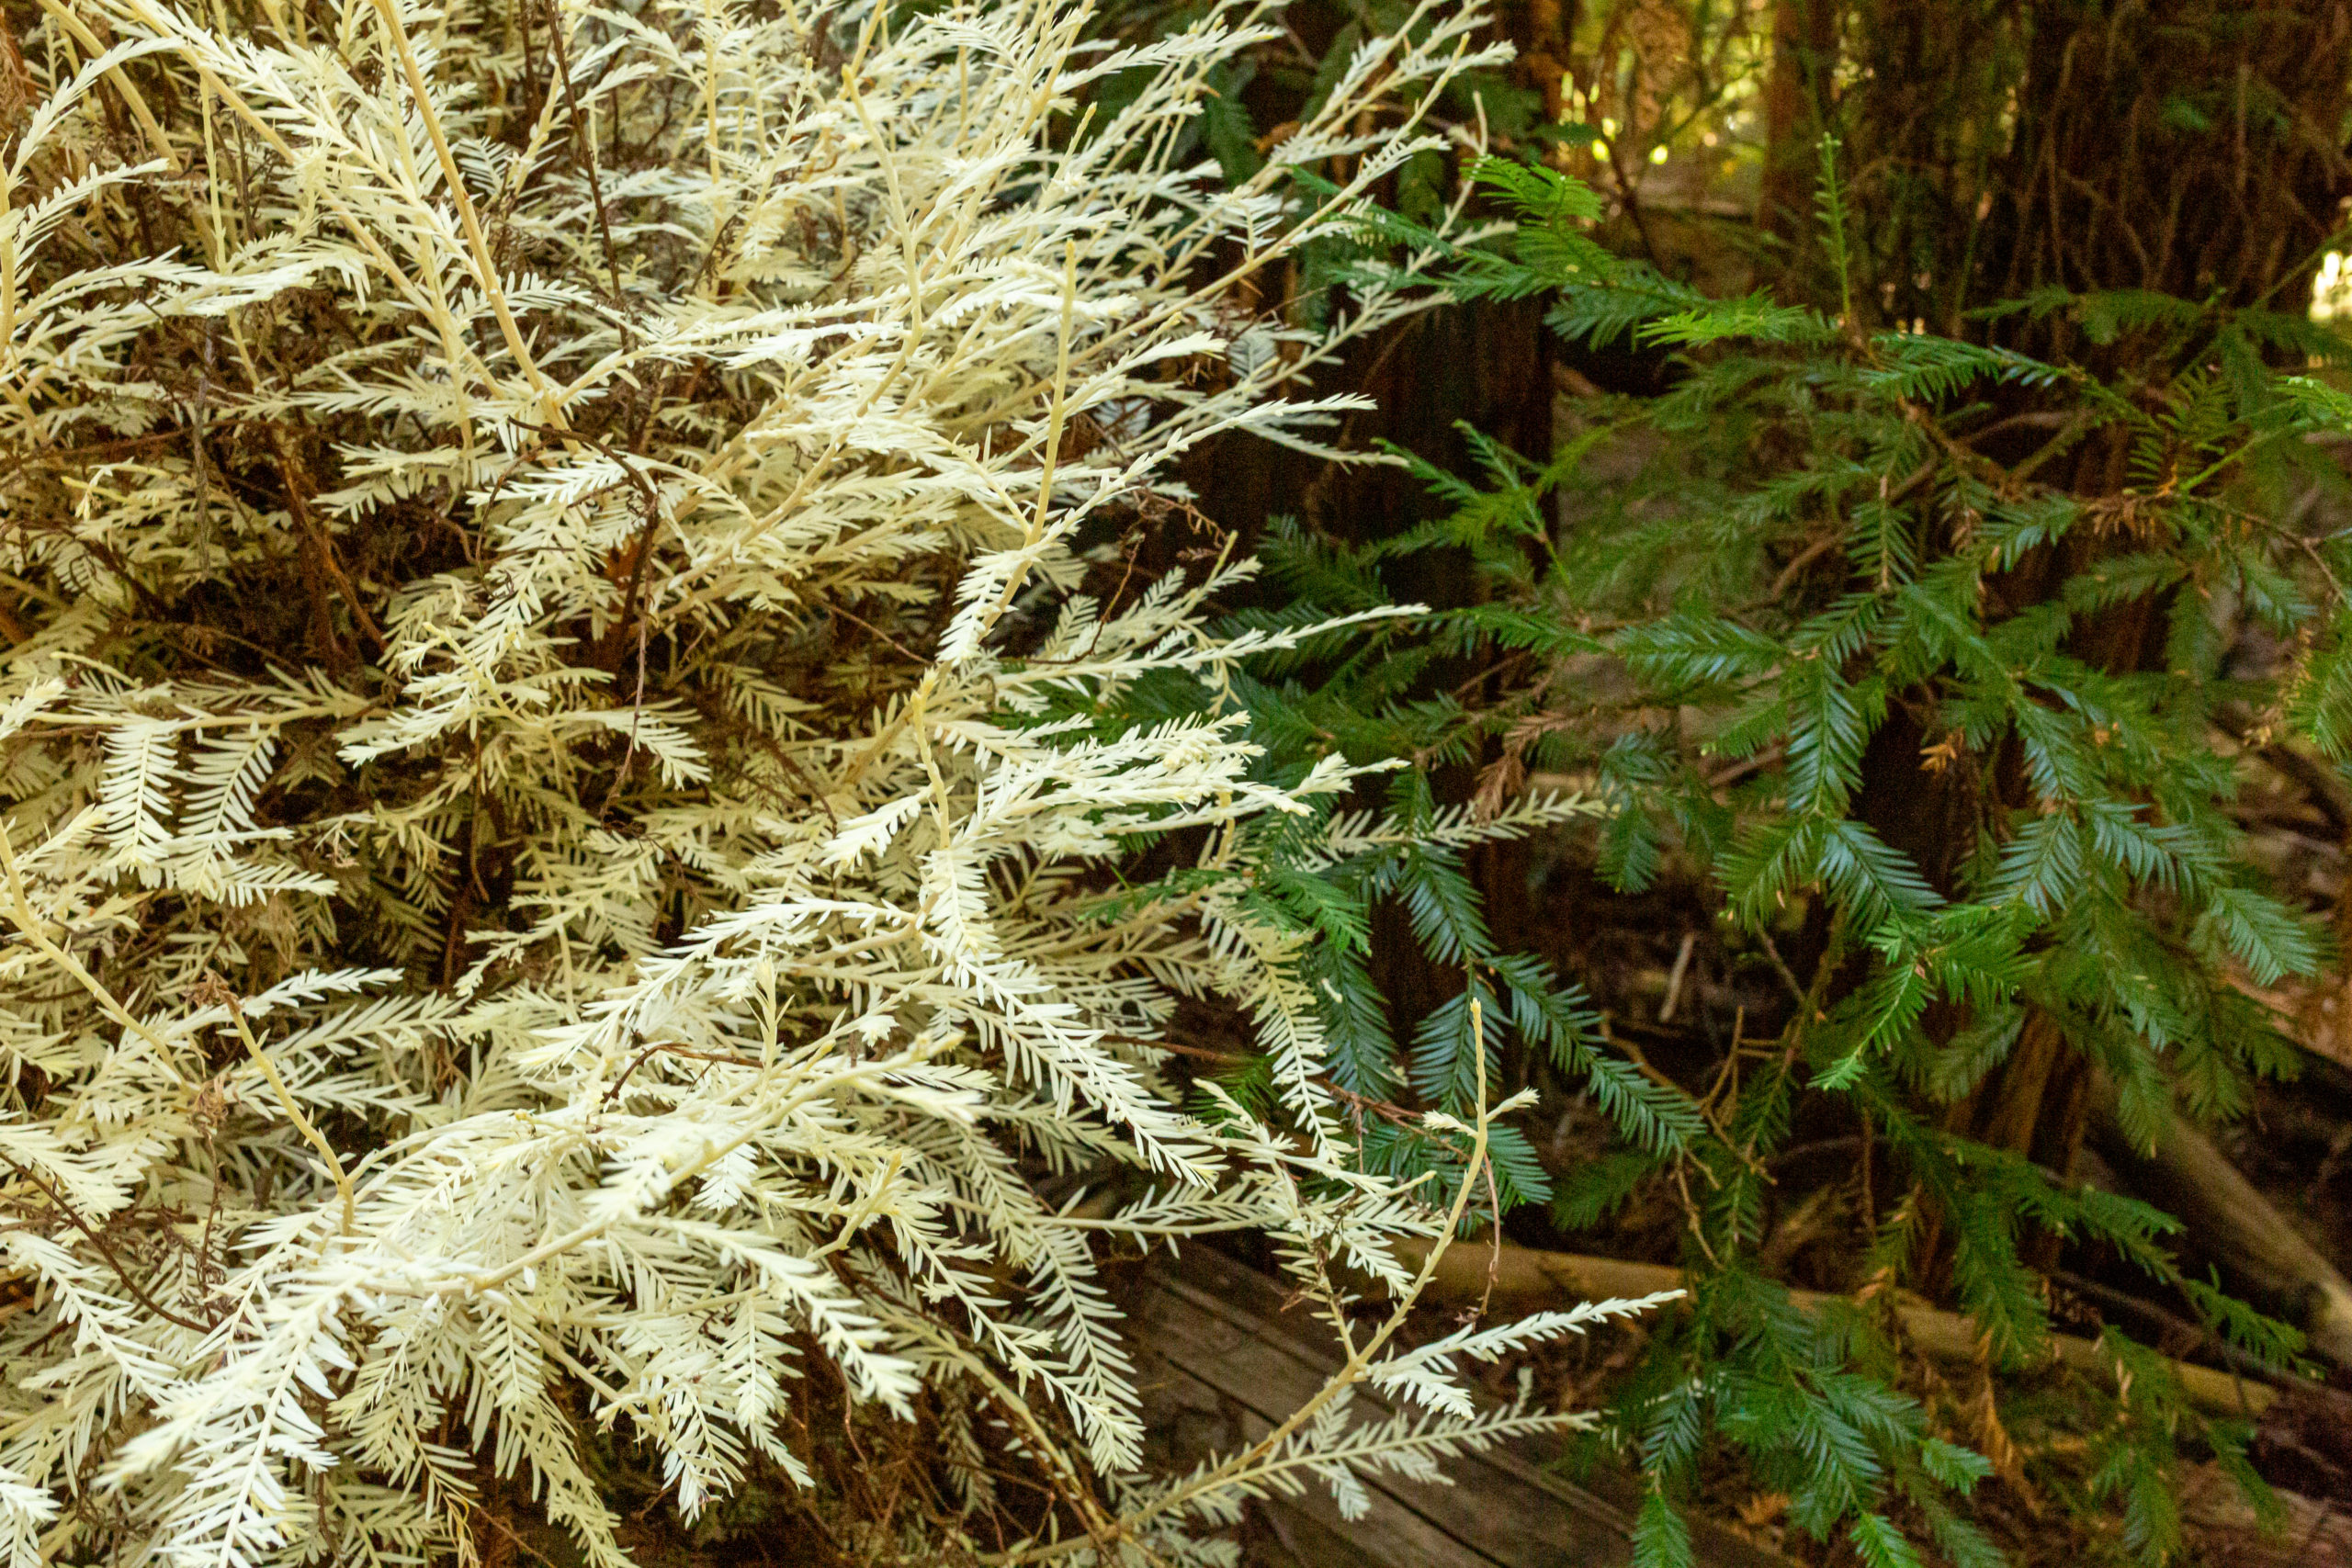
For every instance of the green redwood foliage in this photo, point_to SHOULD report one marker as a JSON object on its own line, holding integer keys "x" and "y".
{"x": 1845, "y": 535}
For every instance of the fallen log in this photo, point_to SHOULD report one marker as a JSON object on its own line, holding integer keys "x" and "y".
{"x": 1513, "y": 1273}
{"x": 2227, "y": 1532}
{"x": 2228, "y": 1219}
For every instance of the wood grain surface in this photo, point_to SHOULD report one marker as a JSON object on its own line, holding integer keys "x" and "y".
{"x": 1222, "y": 1358}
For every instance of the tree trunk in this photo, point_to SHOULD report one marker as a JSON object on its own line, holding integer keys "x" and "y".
{"x": 2189, "y": 149}
{"x": 1797, "y": 96}
{"x": 2193, "y": 149}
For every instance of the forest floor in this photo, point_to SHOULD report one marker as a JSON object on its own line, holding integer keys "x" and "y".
{"x": 1675, "y": 993}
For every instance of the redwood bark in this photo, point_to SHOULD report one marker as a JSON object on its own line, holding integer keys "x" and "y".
{"x": 1796, "y": 99}
{"x": 2192, "y": 149}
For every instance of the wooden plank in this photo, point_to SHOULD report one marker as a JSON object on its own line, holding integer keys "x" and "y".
{"x": 1487, "y": 1514}
{"x": 1219, "y": 1335}
{"x": 1246, "y": 1296}
{"x": 1391, "y": 1534}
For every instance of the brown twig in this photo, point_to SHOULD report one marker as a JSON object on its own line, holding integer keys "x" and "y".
{"x": 585, "y": 147}
{"x": 663, "y": 1048}
{"x": 114, "y": 1262}
{"x": 320, "y": 540}
{"x": 1804, "y": 558}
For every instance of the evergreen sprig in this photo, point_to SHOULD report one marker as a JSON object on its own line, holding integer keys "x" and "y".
{"x": 1876, "y": 565}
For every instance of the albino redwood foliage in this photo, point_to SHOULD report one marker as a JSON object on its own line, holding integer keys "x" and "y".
{"x": 540, "y": 882}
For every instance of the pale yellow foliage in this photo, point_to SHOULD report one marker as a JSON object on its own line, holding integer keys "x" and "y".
{"x": 541, "y": 546}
